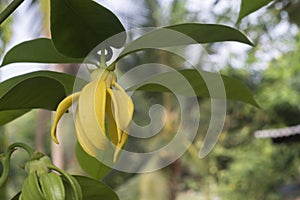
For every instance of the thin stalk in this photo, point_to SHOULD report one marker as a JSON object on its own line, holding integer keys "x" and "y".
{"x": 28, "y": 149}
{"x": 9, "y": 10}
{"x": 102, "y": 58}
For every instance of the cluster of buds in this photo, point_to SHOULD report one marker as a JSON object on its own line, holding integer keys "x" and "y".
{"x": 45, "y": 181}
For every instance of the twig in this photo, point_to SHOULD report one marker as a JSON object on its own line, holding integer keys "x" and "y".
{"x": 9, "y": 10}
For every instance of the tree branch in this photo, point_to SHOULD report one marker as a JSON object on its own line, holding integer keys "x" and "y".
{"x": 9, "y": 10}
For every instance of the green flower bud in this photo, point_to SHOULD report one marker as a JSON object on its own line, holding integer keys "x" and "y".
{"x": 52, "y": 186}
{"x": 31, "y": 188}
{"x": 43, "y": 183}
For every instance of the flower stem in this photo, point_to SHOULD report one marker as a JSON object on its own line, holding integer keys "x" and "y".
{"x": 5, "y": 164}
{"x": 9, "y": 10}
{"x": 102, "y": 58}
{"x": 5, "y": 160}
{"x": 111, "y": 67}
{"x": 28, "y": 149}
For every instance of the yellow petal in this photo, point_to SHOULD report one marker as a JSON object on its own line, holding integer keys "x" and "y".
{"x": 112, "y": 127}
{"x": 122, "y": 108}
{"x": 120, "y": 144}
{"x": 61, "y": 109}
{"x": 84, "y": 142}
{"x": 99, "y": 104}
{"x": 95, "y": 130}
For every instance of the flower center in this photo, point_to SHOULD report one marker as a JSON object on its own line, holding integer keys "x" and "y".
{"x": 103, "y": 74}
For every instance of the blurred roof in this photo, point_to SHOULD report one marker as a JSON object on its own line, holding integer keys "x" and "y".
{"x": 286, "y": 134}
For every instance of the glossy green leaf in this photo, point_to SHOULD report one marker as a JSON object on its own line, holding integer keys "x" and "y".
{"x": 39, "y": 50}
{"x": 78, "y": 26}
{"x": 9, "y": 115}
{"x": 185, "y": 34}
{"x": 92, "y": 189}
{"x": 208, "y": 33}
{"x": 91, "y": 165}
{"x": 249, "y": 6}
{"x": 41, "y": 89}
{"x": 234, "y": 89}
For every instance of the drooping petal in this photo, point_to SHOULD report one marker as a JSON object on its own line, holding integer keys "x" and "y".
{"x": 116, "y": 136}
{"x": 95, "y": 131}
{"x": 112, "y": 127}
{"x": 121, "y": 143}
{"x": 99, "y": 104}
{"x": 84, "y": 142}
{"x": 61, "y": 109}
{"x": 122, "y": 108}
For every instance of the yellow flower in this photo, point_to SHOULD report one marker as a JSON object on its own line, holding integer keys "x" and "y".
{"x": 102, "y": 100}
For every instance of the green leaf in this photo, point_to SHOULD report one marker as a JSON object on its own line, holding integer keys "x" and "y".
{"x": 39, "y": 50}
{"x": 41, "y": 89}
{"x": 9, "y": 115}
{"x": 92, "y": 189}
{"x": 78, "y": 26}
{"x": 208, "y": 33}
{"x": 184, "y": 34}
{"x": 91, "y": 165}
{"x": 249, "y": 6}
{"x": 234, "y": 89}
